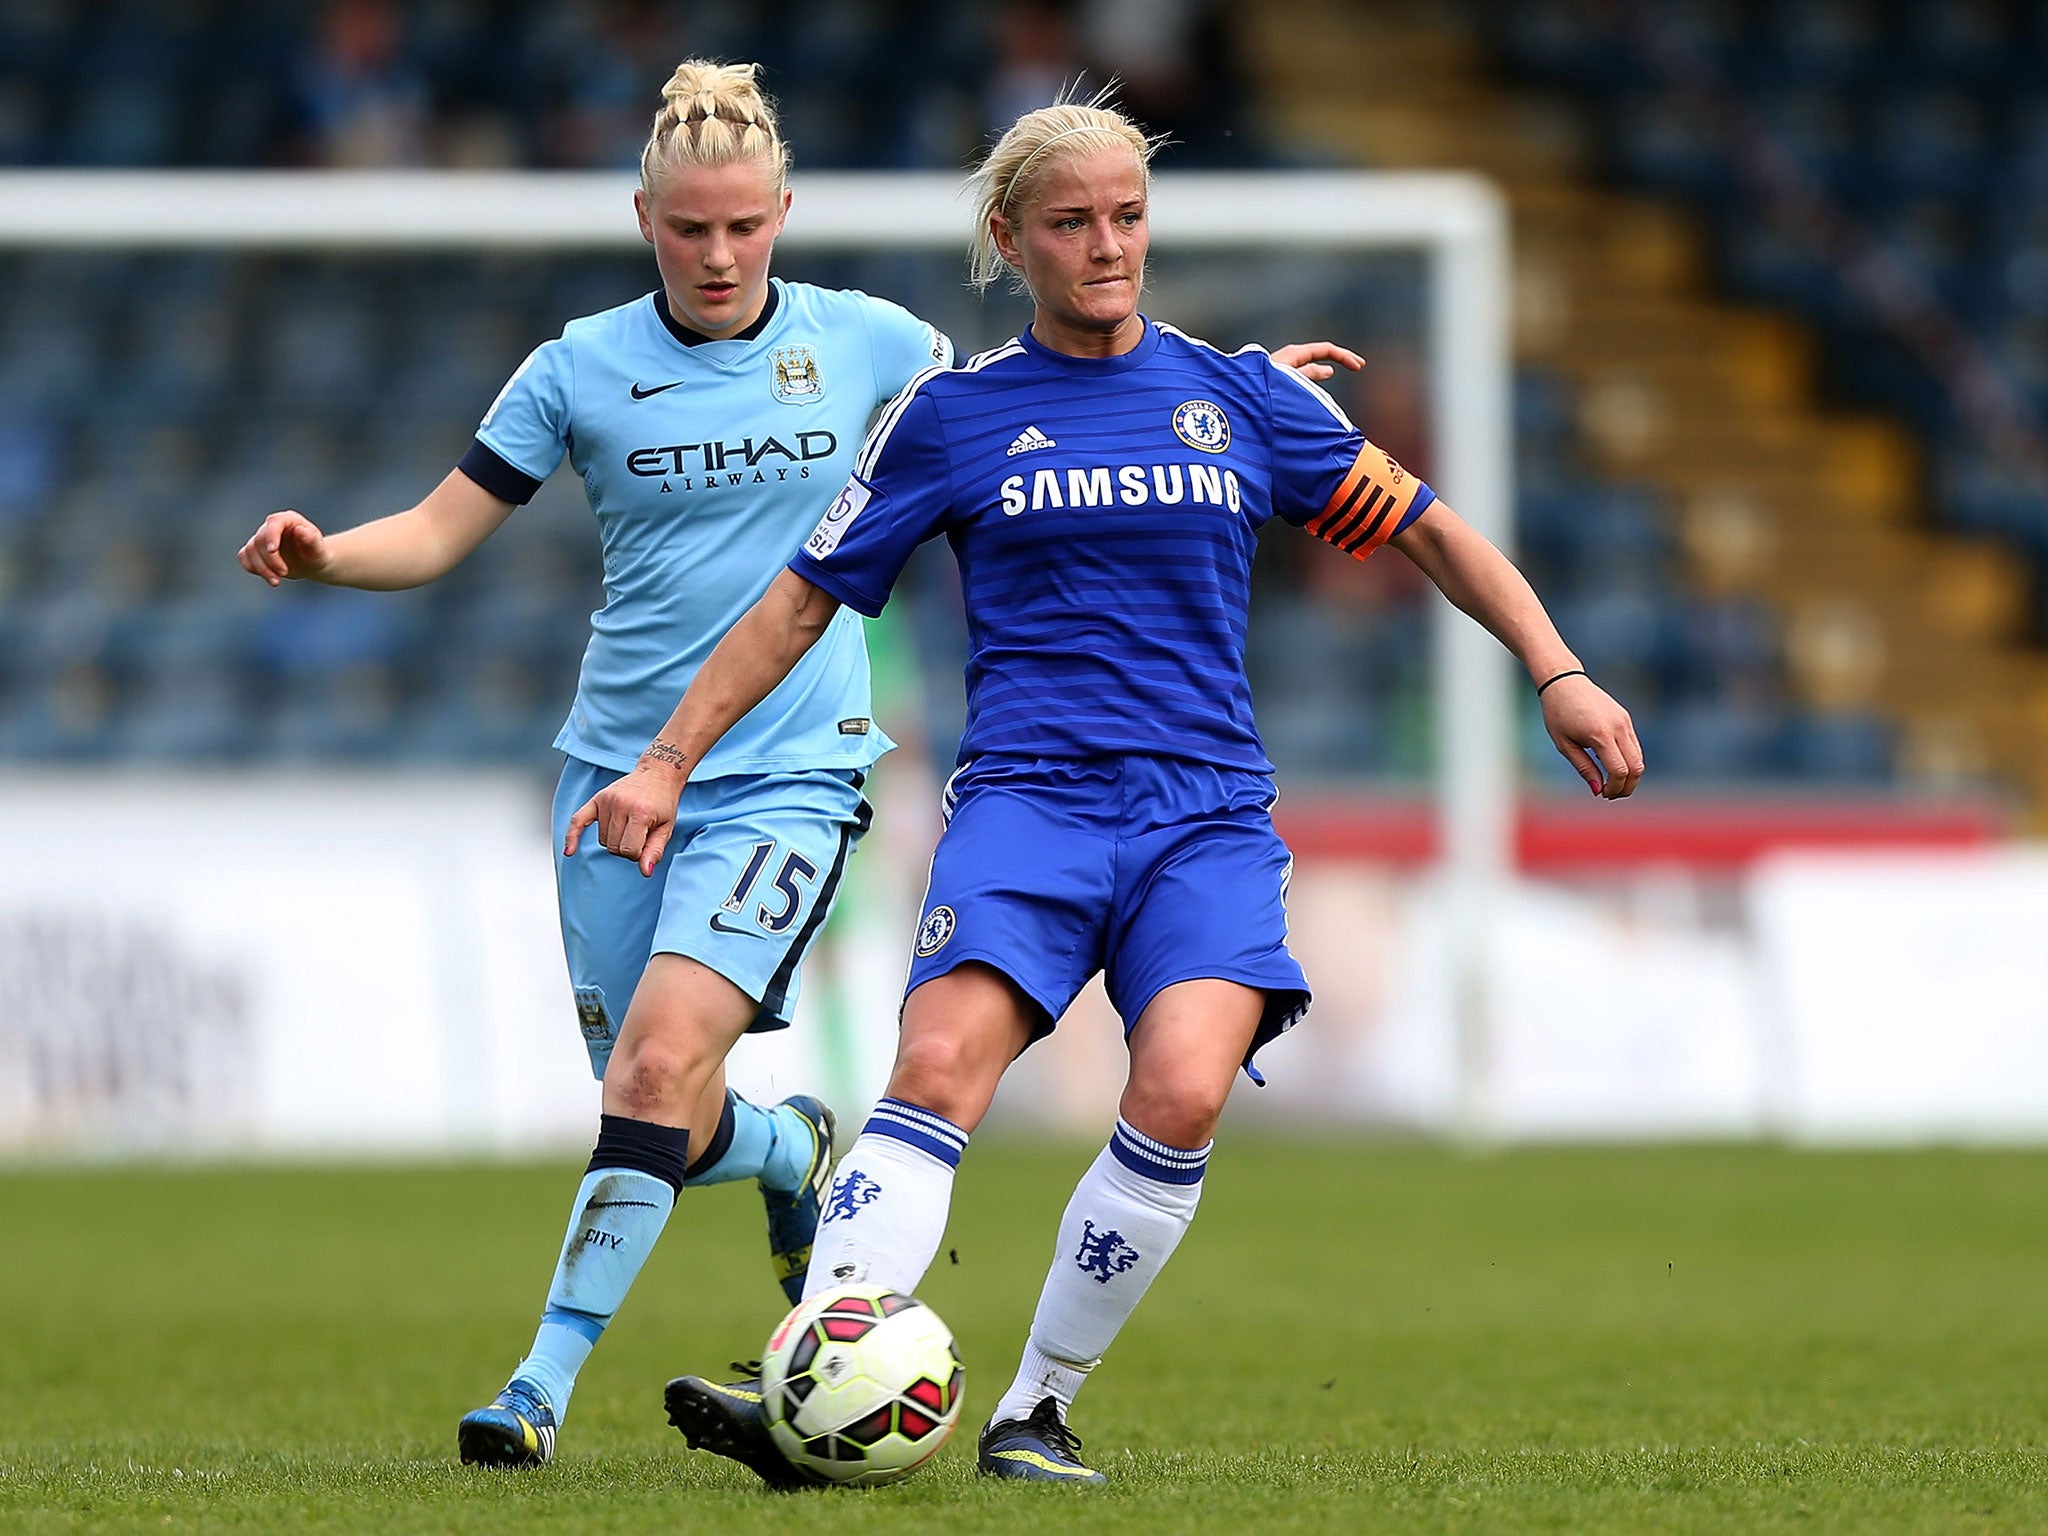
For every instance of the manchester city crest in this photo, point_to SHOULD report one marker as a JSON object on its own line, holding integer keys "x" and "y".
{"x": 592, "y": 1016}
{"x": 796, "y": 376}
{"x": 1202, "y": 424}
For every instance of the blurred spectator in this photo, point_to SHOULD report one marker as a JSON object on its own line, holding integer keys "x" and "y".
{"x": 1170, "y": 60}
{"x": 1035, "y": 59}
{"x": 603, "y": 63}
{"x": 363, "y": 99}
{"x": 1150, "y": 47}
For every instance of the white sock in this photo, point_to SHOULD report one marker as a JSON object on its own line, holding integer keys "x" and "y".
{"x": 1125, "y": 1220}
{"x": 887, "y": 1207}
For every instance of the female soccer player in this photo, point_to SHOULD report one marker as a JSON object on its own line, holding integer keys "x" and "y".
{"x": 1102, "y": 479}
{"x": 710, "y": 421}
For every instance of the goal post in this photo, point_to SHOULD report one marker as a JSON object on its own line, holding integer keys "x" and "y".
{"x": 1458, "y": 223}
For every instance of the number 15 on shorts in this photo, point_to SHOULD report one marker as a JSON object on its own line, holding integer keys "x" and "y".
{"x": 783, "y": 899}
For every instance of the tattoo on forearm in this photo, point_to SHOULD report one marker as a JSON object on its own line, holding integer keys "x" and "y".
{"x": 666, "y": 752}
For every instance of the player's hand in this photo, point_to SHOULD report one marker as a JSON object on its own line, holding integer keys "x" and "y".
{"x": 635, "y": 816}
{"x": 1595, "y": 735}
{"x": 1313, "y": 359}
{"x": 286, "y": 548}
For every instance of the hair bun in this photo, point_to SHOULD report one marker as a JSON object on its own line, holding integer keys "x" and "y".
{"x": 713, "y": 113}
{"x": 713, "y": 85}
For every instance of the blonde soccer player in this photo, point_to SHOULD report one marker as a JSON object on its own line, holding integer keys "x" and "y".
{"x": 709, "y": 421}
{"x": 1103, "y": 480}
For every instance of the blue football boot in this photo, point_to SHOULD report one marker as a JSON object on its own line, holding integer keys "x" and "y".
{"x": 726, "y": 1419}
{"x": 518, "y": 1430}
{"x": 1037, "y": 1448}
{"x": 793, "y": 1214}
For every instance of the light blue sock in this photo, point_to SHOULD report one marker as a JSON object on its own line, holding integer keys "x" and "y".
{"x": 772, "y": 1145}
{"x": 562, "y": 1344}
{"x": 618, "y": 1215}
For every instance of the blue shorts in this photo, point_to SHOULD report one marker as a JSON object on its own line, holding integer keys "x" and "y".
{"x": 1152, "y": 870}
{"x": 743, "y": 887}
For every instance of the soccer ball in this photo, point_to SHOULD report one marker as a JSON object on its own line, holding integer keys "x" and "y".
{"x": 861, "y": 1385}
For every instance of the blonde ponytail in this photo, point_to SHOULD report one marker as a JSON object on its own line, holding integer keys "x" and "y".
{"x": 713, "y": 114}
{"x": 1036, "y": 140}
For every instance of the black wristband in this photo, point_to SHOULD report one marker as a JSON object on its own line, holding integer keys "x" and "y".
{"x": 1575, "y": 672}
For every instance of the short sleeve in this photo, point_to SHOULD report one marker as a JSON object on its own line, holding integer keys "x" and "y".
{"x": 1329, "y": 479}
{"x": 526, "y": 430}
{"x": 900, "y": 495}
{"x": 905, "y": 346}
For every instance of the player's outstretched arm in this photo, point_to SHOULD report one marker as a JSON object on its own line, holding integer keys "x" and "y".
{"x": 1314, "y": 360}
{"x": 407, "y": 549}
{"x": 636, "y": 815}
{"x": 1592, "y": 731}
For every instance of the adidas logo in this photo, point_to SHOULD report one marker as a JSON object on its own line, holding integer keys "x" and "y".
{"x": 1029, "y": 439}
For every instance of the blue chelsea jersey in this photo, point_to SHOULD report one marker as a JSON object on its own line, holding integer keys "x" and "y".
{"x": 1104, "y": 513}
{"x": 706, "y": 462}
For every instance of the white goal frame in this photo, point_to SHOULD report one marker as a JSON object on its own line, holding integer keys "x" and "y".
{"x": 1458, "y": 221}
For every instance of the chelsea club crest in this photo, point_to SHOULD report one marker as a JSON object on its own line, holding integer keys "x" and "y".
{"x": 1202, "y": 424}
{"x": 932, "y": 934}
{"x": 795, "y": 372}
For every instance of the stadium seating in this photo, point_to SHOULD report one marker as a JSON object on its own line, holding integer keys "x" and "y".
{"x": 1823, "y": 501}
{"x": 1907, "y": 229}
{"x": 153, "y": 407}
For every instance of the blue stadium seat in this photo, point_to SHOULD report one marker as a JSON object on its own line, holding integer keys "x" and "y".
{"x": 349, "y": 714}
{"x": 1716, "y": 740}
{"x": 1840, "y": 748}
{"x": 203, "y": 718}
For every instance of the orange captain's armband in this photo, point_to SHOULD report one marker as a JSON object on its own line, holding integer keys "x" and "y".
{"x": 1368, "y": 506}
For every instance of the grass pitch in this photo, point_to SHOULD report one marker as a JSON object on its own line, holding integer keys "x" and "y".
{"x": 1353, "y": 1338}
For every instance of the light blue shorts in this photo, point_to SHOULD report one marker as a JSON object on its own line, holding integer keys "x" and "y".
{"x": 743, "y": 887}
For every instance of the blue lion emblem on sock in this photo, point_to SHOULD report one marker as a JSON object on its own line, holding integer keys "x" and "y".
{"x": 852, "y": 1190}
{"x": 1105, "y": 1253}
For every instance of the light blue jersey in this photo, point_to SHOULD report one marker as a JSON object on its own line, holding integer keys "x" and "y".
{"x": 707, "y": 462}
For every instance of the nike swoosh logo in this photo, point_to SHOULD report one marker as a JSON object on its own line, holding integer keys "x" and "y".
{"x": 643, "y": 394}
{"x": 612, "y": 1205}
{"x": 724, "y": 927}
